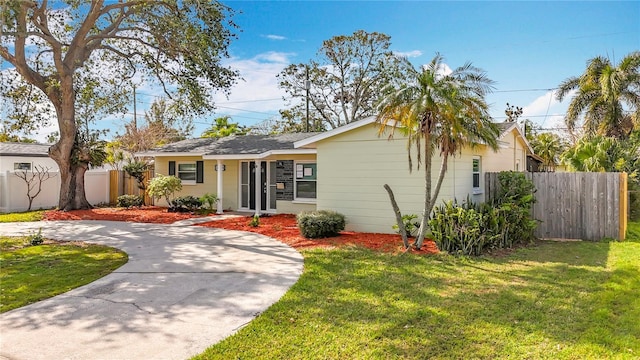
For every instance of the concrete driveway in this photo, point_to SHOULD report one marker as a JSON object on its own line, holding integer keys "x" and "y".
{"x": 183, "y": 289}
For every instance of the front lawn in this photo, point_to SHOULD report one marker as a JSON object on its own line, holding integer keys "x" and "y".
{"x": 22, "y": 216}
{"x": 559, "y": 300}
{"x": 32, "y": 273}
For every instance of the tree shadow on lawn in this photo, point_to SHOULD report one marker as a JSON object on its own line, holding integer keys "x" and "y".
{"x": 352, "y": 305}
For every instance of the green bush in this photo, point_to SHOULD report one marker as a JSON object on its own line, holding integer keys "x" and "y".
{"x": 411, "y": 224}
{"x": 164, "y": 186}
{"x": 462, "y": 228}
{"x": 185, "y": 204}
{"x": 320, "y": 224}
{"x": 255, "y": 221}
{"x": 127, "y": 201}
{"x": 36, "y": 239}
{"x": 471, "y": 229}
{"x": 209, "y": 200}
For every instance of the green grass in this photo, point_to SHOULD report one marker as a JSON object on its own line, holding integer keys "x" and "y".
{"x": 32, "y": 273}
{"x": 22, "y": 217}
{"x": 570, "y": 300}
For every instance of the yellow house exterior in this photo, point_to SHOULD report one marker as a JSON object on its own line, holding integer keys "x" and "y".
{"x": 354, "y": 163}
{"x": 342, "y": 170}
{"x": 227, "y": 167}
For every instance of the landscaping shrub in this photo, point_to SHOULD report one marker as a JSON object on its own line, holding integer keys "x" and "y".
{"x": 209, "y": 200}
{"x": 255, "y": 221}
{"x": 127, "y": 201}
{"x": 411, "y": 224}
{"x": 185, "y": 204}
{"x": 164, "y": 186}
{"x": 320, "y": 224}
{"x": 471, "y": 229}
{"x": 462, "y": 228}
{"x": 36, "y": 239}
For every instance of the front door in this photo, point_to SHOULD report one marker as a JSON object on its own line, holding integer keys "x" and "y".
{"x": 263, "y": 185}
{"x": 248, "y": 186}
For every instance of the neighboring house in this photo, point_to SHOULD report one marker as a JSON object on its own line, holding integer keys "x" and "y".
{"x": 25, "y": 156}
{"x": 16, "y": 158}
{"x": 343, "y": 170}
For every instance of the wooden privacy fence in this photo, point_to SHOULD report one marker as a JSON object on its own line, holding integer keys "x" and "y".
{"x": 588, "y": 206}
{"x": 120, "y": 183}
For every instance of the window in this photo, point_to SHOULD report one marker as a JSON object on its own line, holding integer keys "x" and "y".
{"x": 22, "y": 166}
{"x": 476, "y": 175}
{"x": 187, "y": 172}
{"x": 306, "y": 176}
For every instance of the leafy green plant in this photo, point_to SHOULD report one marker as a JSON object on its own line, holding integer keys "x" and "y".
{"x": 471, "y": 229}
{"x": 255, "y": 221}
{"x": 128, "y": 201}
{"x": 320, "y": 224}
{"x": 36, "y": 238}
{"x": 137, "y": 170}
{"x": 164, "y": 186}
{"x": 411, "y": 224}
{"x": 186, "y": 203}
{"x": 209, "y": 201}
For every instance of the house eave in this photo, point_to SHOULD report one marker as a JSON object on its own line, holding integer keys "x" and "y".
{"x": 263, "y": 155}
{"x": 169, "y": 154}
{"x": 311, "y": 142}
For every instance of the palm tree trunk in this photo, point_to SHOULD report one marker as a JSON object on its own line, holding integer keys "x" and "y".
{"x": 443, "y": 170}
{"x": 427, "y": 191}
{"x": 396, "y": 210}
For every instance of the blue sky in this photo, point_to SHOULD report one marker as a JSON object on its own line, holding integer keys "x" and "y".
{"x": 528, "y": 48}
{"x": 521, "y": 45}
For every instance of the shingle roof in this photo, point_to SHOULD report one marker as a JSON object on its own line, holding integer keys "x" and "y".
{"x": 504, "y": 126}
{"x": 24, "y": 149}
{"x": 235, "y": 144}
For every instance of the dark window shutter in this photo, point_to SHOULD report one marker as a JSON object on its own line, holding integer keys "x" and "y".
{"x": 172, "y": 168}
{"x": 199, "y": 172}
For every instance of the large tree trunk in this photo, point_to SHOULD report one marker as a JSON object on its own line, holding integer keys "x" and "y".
{"x": 72, "y": 168}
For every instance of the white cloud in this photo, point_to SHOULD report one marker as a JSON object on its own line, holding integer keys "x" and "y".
{"x": 257, "y": 97}
{"x": 274, "y": 37}
{"x": 408, "y": 54}
{"x": 546, "y": 110}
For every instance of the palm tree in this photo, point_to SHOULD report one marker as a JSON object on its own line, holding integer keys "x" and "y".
{"x": 439, "y": 111}
{"x": 548, "y": 146}
{"x": 609, "y": 96}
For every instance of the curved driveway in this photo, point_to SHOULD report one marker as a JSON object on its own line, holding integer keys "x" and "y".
{"x": 183, "y": 289}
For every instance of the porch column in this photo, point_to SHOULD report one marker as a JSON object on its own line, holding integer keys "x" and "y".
{"x": 219, "y": 190}
{"x": 258, "y": 189}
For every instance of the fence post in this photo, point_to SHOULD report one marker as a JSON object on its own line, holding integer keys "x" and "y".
{"x": 622, "y": 214}
{"x": 5, "y": 191}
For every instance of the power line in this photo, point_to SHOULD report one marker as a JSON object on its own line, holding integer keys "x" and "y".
{"x": 523, "y": 90}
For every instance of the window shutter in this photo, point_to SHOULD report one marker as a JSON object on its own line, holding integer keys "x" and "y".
{"x": 172, "y": 168}
{"x": 199, "y": 172}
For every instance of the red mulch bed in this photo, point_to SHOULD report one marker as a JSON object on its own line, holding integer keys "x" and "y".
{"x": 281, "y": 227}
{"x": 147, "y": 214}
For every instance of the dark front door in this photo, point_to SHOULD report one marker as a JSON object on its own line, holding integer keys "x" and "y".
{"x": 263, "y": 185}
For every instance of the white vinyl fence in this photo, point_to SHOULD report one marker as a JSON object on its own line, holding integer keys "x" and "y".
{"x": 13, "y": 190}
